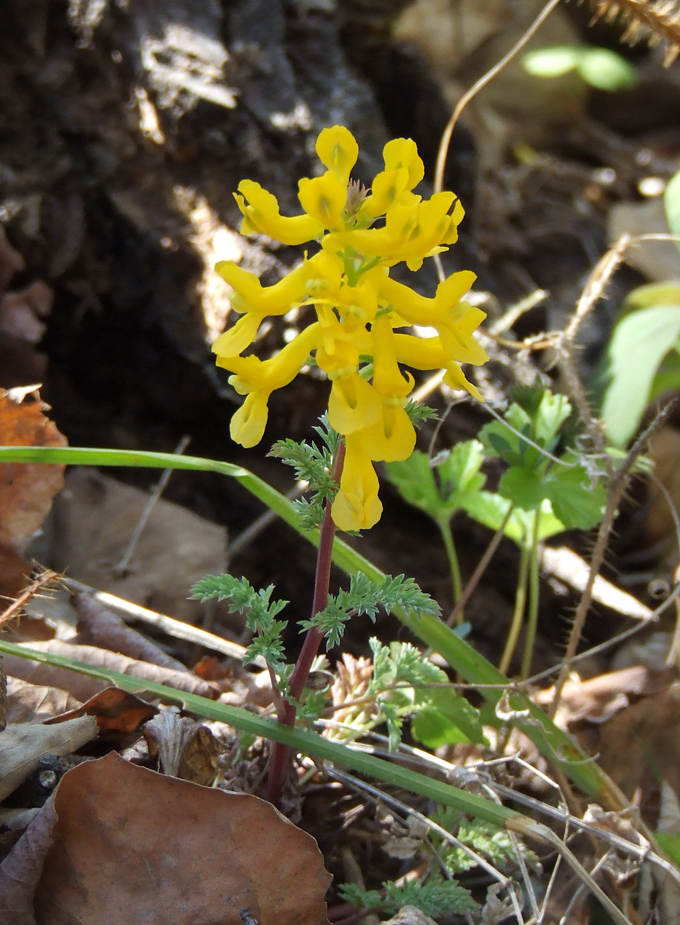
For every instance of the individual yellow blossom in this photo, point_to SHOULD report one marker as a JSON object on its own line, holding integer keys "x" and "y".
{"x": 261, "y": 216}
{"x": 356, "y": 505}
{"x": 337, "y": 150}
{"x": 410, "y": 233}
{"x": 392, "y": 187}
{"x": 392, "y": 437}
{"x": 257, "y": 379}
{"x": 256, "y": 302}
{"x": 359, "y": 338}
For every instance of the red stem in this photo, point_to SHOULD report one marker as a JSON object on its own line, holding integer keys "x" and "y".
{"x": 280, "y": 754}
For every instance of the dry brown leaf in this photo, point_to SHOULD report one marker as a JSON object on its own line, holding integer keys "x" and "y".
{"x": 175, "y": 549}
{"x": 100, "y": 627}
{"x": 33, "y": 703}
{"x": 115, "y": 711}
{"x": 185, "y": 748}
{"x": 134, "y": 846}
{"x": 22, "y": 747}
{"x": 598, "y": 699}
{"x": 21, "y": 869}
{"x": 26, "y": 489}
{"x": 83, "y": 687}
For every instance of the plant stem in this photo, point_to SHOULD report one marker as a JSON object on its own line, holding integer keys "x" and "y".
{"x": 280, "y": 754}
{"x": 534, "y": 589}
{"x": 478, "y": 573}
{"x": 520, "y": 604}
{"x": 454, "y": 565}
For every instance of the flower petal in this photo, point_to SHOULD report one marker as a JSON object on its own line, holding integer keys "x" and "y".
{"x": 356, "y": 505}
{"x": 324, "y": 198}
{"x": 353, "y": 404}
{"x": 337, "y": 150}
{"x": 261, "y": 215}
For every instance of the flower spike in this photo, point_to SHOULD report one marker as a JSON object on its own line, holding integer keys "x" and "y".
{"x": 360, "y": 338}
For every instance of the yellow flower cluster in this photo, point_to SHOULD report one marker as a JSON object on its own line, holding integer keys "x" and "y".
{"x": 359, "y": 309}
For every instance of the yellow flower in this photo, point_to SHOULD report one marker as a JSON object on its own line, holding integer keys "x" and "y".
{"x": 337, "y": 150}
{"x": 454, "y": 320}
{"x": 261, "y": 216}
{"x": 393, "y": 436}
{"x": 411, "y": 232}
{"x": 357, "y": 306}
{"x": 356, "y": 505}
{"x": 392, "y": 187}
{"x": 257, "y": 379}
{"x": 256, "y": 301}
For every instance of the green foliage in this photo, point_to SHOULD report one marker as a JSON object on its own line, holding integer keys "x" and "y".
{"x": 436, "y": 897}
{"x": 671, "y": 202}
{"x": 445, "y": 718}
{"x": 365, "y": 597}
{"x": 401, "y": 687}
{"x": 599, "y": 67}
{"x": 534, "y": 477}
{"x": 312, "y": 464}
{"x": 260, "y": 613}
{"x": 563, "y": 491}
{"x": 418, "y": 412}
{"x": 491, "y": 842}
{"x": 643, "y": 355}
{"x": 443, "y": 489}
{"x": 642, "y": 358}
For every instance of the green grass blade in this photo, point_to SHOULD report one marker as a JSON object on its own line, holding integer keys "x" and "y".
{"x": 309, "y": 743}
{"x": 554, "y": 744}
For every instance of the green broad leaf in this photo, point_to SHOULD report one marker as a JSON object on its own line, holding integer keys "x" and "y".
{"x": 414, "y": 480}
{"x": 639, "y": 344}
{"x": 445, "y": 719}
{"x": 668, "y": 374}
{"x": 459, "y": 476}
{"x": 671, "y": 201}
{"x": 553, "y": 61}
{"x": 440, "y": 490}
{"x": 552, "y": 412}
{"x": 523, "y": 487}
{"x": 574, "y": 499}
{"x": 606, "y": 70}
{"x": 490, "y": 509}
{"x": 650, "y": 295}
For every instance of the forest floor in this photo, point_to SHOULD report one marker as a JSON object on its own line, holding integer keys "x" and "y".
{"x": 124, "y": 131}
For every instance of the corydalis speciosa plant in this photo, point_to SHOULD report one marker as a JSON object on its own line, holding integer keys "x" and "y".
{"x": 360, "y": 337}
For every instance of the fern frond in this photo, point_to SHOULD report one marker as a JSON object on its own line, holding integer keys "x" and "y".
{"x": 655, "y": 21}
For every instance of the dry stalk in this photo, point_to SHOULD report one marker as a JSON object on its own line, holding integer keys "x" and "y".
{"x": 565, "y": 344}
{"x": 617, "y": 488}
{"x": 655, "y": 21}
{"x": 469, "y": 94}
{"x": 16, "y": 606}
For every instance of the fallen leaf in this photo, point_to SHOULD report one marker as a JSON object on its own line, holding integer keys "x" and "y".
{"x": 21, "y": 869}
{"x": 100, "y": 627}
{"x": 135, "y": 846}
{"x": 185, "y": 748}
{"x": 15, "y": 573}
{"x": 83, "y": 687}
{"x": 598, "y": 699}
{"x": 410, "y": 915}
{"x": 22, "y": 747}
{"x": 26, "y": 489}
{"x": 33, "y": 703}
{"x": 174, "y": 550}
{"x": 115, "y": 711}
